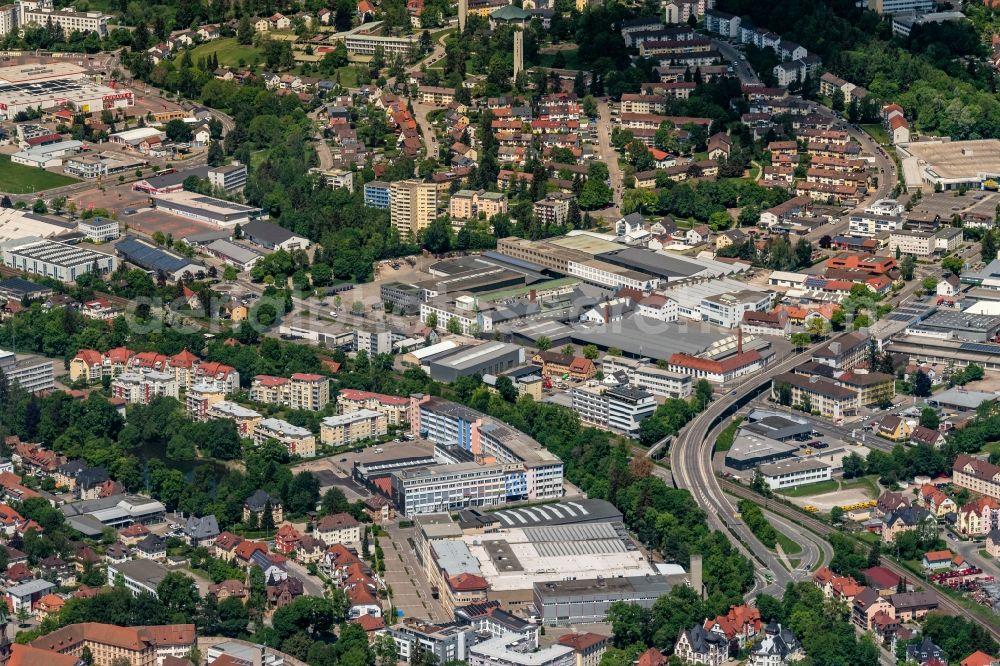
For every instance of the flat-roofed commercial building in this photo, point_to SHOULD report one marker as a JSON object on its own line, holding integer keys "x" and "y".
{"x": 351, "y": 427}
{"x": 56, "y": 260}
{"x": 365, "y": 40}
{"x": 86, "y": 97}
{"x": 448, "y": 642}
{"x": 515, "y": 650}
{"x": 139, "y": 576}
{"x": 792, "y": 473}
{"x": 563, "y": 602}
{"x": 31, "y": 373}
{"x": 204, "y": 208}
{"x": 532, "y": 471}
{"x": 448, "y": 487}
{"x": 98, "y": 229}
{"x": 488, "y": 358}
{"x": 750, "y": 450}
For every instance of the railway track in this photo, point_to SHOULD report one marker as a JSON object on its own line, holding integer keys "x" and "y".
{"x": 945, "y": 602}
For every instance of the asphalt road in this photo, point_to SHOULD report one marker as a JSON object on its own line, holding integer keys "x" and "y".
{"x": 609, "y": 156}
{"x": 691, "y": 467}
{"x": 743, "y": 70}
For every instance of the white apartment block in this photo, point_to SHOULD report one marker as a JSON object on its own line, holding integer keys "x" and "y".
{"x": 298, "y": 441}
{"x": 41, "y": 13}
{"x": 466, "y": 319}
{"x": 727, "y": 310}
{"x": 649, "y": 377}
{"x": 872, "y": 224}
{"x": 619, "y": 409}
{"x": 230, "y": 178}
{"x": 924, "y": 244}
{"x": 144, "y": 387}
{"x": 351, "y": 427}
{"x": 32, "y": 373}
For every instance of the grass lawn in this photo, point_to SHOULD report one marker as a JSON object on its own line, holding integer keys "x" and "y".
{"x": 810, "y": 489}
{"x": 878, "y": 133}
{"x": 569, "y": 56}
{"x": 230, "y": 52}
{"x": 348, "y": 76}
{"x": 435, "y": 36}
{"x": 20, "y": 179}
{"x": 787, "y": 545}
{"x": 868, "y": 483}
{"x": 991, "y": 447}
{"x": 725, "y": 439}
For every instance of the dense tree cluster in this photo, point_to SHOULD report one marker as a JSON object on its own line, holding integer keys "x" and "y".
{"x": 825, "y": 629}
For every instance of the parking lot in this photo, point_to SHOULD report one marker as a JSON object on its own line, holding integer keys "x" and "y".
{"x": 411, "y": 591}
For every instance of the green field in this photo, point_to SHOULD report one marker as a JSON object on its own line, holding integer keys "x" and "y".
{"x": 810, "y": 489}
{"x": 570, "y": 55}
{"x": 867, "y": 483}
{"x": 20, "y": 179}
{"x": 787, "y": 545}
{"x": 724, "y": 441}
{"x": 878, "y": 133}
{"x": 229, "y": 51}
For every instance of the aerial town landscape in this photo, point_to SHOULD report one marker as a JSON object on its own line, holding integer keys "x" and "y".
{"x": 500, "y": 333}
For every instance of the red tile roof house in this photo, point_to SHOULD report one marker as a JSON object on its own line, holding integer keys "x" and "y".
{"x": 740, "y": 624}
{"x": 979, "y": 658}
{"x": 882, "y": 579}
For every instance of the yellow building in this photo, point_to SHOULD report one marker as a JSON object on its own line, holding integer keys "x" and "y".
{"x": 298, "y": 441}
{"x": 873, "y": 388}
{"x": 894, "y": 428}
{"x": 138, "y": 646}
{"x": 351, "y": 427}
{"x": 412, "y": 206}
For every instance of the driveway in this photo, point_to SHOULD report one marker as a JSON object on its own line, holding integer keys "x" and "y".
{"x": 411, "y": 590}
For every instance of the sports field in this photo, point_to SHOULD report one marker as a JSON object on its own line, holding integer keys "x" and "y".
{"x": 20, "y": 179}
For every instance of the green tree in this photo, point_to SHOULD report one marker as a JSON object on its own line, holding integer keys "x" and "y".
{"x": 929, "y": 418}
{"x": 921, "y": 385}
{"x": 801, "y": 340}
{"x": 906, "y": 267}
{"x": 591, "y": 352}
{"x": 505, "y": 387}
{"x": 543, "y": 343}
{"x": 953, "y": 264}
{"x": 454, "y": 326}
{"x": 432, "y": 320}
